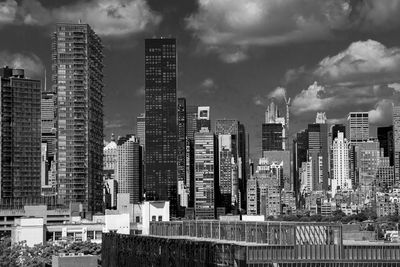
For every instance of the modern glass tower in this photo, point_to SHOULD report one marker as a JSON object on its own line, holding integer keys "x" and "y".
{"x": 161, "y": 121}
{"x": 20, "y": 139}
{"x": 77, "y": 69}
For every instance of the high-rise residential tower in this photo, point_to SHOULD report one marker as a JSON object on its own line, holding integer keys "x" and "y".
{"x": 77, "y": 66}
{"x": 20, "y": 146}
{"x": 340, "y": 151}
{"x": 161, "y": 121}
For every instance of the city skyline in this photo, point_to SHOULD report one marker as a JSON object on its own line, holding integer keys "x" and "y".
{"x": 198, "y": 132}
{"x": 232, "y": 68}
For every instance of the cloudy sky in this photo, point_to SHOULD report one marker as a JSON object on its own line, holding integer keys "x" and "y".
{"x": 333, "y": 55}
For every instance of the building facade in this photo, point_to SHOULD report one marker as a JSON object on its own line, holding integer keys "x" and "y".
{"x": 205, "y": 163}
{"x": 357, "y": 127}
{"x": 340, "y": 151}
{"x": 183, "y": 190}
{"x": 20, "y": 151}
{"x": 77, "y": 66}
{"x": 161, "y": 121}
{"x": 129, "y": 162}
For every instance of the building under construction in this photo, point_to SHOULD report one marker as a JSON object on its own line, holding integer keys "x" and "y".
{"x": 238, "y": 243}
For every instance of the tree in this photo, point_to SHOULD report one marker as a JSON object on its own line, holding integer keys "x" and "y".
{"x": 41, "y": 255}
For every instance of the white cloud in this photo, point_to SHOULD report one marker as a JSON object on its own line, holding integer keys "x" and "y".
{"x": 362, "y": 60}
{"x": 311, "y": 99}
{"x": 233, "y": 57}
{"x": 278, "y": 93}
{"x": 32, "y": 64}
{"x": 8, "y": 11}
{"x": 113, "y": 18}
{"x": 382, "y": 112}
{"x": 364, "y": 75}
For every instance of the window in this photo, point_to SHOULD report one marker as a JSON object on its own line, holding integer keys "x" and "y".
{"x": 90, "y": 235}
{"x": 137, "y": 219}
{"x": 98, "y": 235}
{"x": 153, "y": 218}
{"x": 57, "y": 235}
{"x": 159, "y": 218}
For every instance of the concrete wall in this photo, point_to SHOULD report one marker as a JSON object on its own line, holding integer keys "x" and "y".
{"x": 30, "y": 230}
{"x": 117, "y": 222}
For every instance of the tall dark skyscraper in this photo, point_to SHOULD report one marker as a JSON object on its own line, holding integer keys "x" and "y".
{"x": 318, "y": 150}
{"x": 161, "y": 121}
{"x": 78, "y": 83}
{"x": 191, "y": 129}
{"x": 272, "y": 136}
{"x": 20, "y": 138}
{"x": 300, "y": 148}
{"x": 231, "y": 163}
{"x": 385, "y": 137}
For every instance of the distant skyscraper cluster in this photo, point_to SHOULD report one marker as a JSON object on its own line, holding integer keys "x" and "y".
{"x": 53, "y": 149}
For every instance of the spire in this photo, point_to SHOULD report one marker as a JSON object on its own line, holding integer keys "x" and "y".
{"x": 112, "y": 137}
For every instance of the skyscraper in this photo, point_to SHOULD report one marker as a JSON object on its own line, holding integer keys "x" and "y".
{"x": 203, "y": 118}
{"x": 129, "y": 170}
{"x": 357, "y": 127}
{"x": 141, "y": 129}
{"x": 232, "y": 163}
{"x": 318, "y": 150}
{"x": 20, "y": 179}
{"x": 300, "y": 147}
{"x": 161, "y": 121}
{"x": 272, "y": 136}
{"x": 340, "y": 149}
{"x": 205, "y": 174}
{"x": 191, "y": 129}
{"x": 77, "y": 66}
{"x": 181, "y": 157}
{"x": 48, "y": 173}
{"x": 385, "y": 137}
{"x": 368, "y": 156}
{"x": 110, "y": 161}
